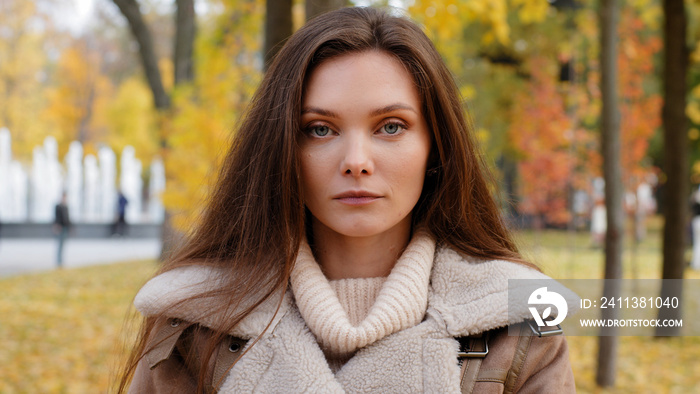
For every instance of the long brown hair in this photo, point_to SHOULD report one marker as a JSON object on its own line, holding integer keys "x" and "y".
{"x": 255, "y": 218}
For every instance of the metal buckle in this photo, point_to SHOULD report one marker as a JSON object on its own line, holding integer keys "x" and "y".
{"x": 537, "y": 330}
{"x": 474, "y": 353}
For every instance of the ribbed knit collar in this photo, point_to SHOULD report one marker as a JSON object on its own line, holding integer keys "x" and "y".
{"x": 401, "y": 302}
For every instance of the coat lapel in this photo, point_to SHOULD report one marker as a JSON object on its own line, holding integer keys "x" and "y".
{"x": 287, "y": 360}
{"x": 176, "y": 292}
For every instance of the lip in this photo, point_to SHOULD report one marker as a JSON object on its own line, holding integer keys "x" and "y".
{"x": 357, "y": 197}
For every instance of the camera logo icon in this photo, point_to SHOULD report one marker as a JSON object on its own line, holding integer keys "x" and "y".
{"x": 543, "y": 297}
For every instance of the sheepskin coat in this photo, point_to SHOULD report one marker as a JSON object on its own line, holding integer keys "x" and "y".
{"x": 466, "y": 296}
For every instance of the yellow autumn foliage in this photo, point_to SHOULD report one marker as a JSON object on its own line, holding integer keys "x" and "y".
{"x": 61, "y": 330}
{"x": 79, "y": 86}
{"x": 130, "y": 119}
{"x": 445, "y": 20}
{"x": 692, "y": 109}
{"x": 228, "y": 70}
{"x": 22, "y": 60}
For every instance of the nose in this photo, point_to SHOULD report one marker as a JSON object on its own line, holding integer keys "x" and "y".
{"x": 357, "y": 159}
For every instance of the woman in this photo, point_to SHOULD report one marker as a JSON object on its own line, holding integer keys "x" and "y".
{"x": 351, "y": 243}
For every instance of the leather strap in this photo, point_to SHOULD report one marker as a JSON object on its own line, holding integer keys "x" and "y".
{"x": 492, "y": 375}
{"x": 471, "y": 367}
{"x": 473, "y": 348}
{"x": 516, "y": 366}
{"x": 230, "y": 350}
{"x": 165, "y": 340}
{"x": 470, "y": 370}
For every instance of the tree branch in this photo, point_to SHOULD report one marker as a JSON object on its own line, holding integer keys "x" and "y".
{"x": 132, "y": 13}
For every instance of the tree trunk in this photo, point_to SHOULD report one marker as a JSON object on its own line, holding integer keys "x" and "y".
{"x": 612, "y": 172}
{"x": 132, "y": 13}
{"x": 675, "y": 156}
{"x": 183, "y": 62}
{"x": 317, "y": 7}
{"x": 183, "y": 69}
{"x": 184, "y": 41}
{"x": 278, "y": 27}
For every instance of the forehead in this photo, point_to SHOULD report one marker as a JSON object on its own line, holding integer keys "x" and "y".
{"x": 372, "y": 75}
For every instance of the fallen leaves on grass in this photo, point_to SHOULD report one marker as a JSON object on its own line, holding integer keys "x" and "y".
{"x": 60, "y": 329}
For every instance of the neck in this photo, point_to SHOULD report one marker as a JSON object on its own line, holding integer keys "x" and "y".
{"x": 343, "y": 257}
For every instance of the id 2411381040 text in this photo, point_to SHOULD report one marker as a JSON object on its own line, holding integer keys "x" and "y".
{"x": 630, "y": 302}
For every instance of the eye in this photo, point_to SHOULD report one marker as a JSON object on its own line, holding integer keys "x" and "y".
{"x": 319, "y": 131}
{"x": 392, "y": 128}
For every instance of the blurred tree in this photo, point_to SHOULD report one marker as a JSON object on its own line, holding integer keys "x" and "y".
{"x": 675, "y": 153}
{"x": 612, "y": 173}
{"x": 484, "y": 44}
{"x": 128, "y": 118}
{"x": 693, "y": 112}
{"x": 278, "y": 27}
{"x": 23, "y": 72}
{"x": 229, "y": 64}
{"x": 149, "y": 60}
{"x": 184, "y": 41}
{"x": 184, "y": 38}
{"x": 77, "y": 86}
{"x": 542, "y": 132}
{"x": 114, "y": 43}
{"x": 496, "y": 79}
{"x": 109, "y": 35}
{"x": 640, "y": 106}
{"x": 693, "y": 109}
{"x": 317, "y": 7}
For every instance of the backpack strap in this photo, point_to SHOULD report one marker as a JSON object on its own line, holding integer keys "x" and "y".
{"x": 473, "y": 350}
{"x": 524, "y": 341}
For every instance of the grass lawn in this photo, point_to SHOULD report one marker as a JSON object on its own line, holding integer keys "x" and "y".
{"x": 61, "y": 330}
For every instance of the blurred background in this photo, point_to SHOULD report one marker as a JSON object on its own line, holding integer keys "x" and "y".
{"x": 115, "y": 114}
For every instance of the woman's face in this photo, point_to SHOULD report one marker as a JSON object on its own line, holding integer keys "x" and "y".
{"x": 365, "y": 147}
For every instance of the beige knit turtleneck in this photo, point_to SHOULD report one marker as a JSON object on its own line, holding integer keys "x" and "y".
{"x": 370, "y": 308}
{"x": 357, "y": 295}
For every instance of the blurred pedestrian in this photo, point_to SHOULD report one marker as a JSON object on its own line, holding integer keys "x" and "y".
{"x": 61, "y": 227}
{"x": 598, "y": 223}
{"x": 120, "y": 224}
{"x": 695, "y": 225}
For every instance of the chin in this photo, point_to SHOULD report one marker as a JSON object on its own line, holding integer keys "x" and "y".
{"x": 359, "y": 231}
{"x": 363, "y": 229}
{"x": 358, "y": 226}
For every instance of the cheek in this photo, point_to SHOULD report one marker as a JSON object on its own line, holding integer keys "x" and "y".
{"x": 408, "y": 173}
{"x": 312, "y": 177}
{"x": 307, "y": 179}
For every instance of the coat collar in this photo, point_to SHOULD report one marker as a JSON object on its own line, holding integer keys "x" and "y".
{"x": 172, "y": 293}
{"x": 466, "y": 296}
{"x": 469, "y": 295}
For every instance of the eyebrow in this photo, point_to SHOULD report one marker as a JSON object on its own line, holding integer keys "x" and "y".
{"x": 376, "y": 112}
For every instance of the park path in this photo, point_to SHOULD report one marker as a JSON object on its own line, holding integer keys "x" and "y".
{"x": 18, "y": 256}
